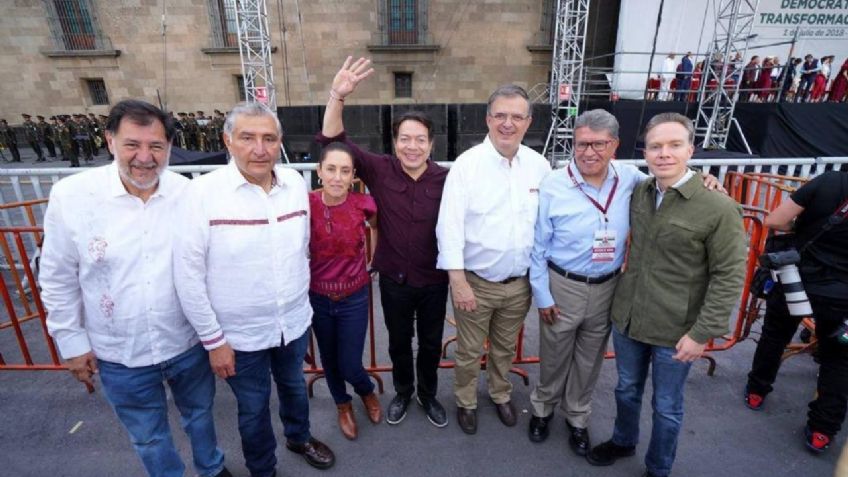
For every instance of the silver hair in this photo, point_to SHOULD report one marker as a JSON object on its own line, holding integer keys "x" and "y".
{"x": 598, "y": 120}
{"x": 249, "y": 109}
{"x": 678, "y": 118}
{"x": 508, "y": 91}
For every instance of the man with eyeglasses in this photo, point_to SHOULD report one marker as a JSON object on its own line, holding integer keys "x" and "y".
{"x": 577, "y": 256}
{"x": 485, "y": 235}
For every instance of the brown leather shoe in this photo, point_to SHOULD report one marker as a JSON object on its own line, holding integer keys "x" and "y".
{"x": 467, "y": 419}
{"x": 372, "y": 406}
{"x": 347, "y": 423}
{"x": 315, "y": 452}
{"x": 506, "y": 412}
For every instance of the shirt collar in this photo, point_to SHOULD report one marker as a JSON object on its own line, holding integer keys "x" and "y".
{"x": 495, "y": 153}
{"x": 117, "y": 188}
{"x": 236, "y": 179}
{"x": 686, "y": 186}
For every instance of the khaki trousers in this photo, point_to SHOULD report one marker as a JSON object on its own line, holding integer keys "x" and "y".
{"x": 572, "y": 349}
{"x": 501, "y": 309}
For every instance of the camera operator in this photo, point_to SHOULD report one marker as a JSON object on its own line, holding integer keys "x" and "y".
{"x": 824, "y": 273}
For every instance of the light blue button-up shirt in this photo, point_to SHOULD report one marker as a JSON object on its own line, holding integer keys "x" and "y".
{"x": 567, "y": 223}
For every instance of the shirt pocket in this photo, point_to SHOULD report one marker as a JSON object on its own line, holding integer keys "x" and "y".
{"x": 685, "y": 248}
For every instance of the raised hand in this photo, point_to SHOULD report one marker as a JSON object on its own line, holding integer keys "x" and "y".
{"x": 350, "y": 75}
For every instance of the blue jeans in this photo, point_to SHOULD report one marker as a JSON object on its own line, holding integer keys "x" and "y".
{"x": 252, "y": 388}
{"x": 340, "y": 328}
{"x": 668, "y": 376}
{"x": 138, "y": 397}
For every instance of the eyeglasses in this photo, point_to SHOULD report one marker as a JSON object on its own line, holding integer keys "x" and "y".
{"x": 516, "y": 118}
{"x": 328, "y": 225}
{"x": 597, "y": 146}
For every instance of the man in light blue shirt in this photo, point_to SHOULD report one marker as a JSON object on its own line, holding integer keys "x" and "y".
{"x": 581, "y": 230}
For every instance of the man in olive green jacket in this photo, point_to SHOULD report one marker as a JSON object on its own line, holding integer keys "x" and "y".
{"x": 684, "y": 275}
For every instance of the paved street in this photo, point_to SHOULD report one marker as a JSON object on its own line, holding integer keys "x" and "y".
{"x": 51, "y": 427}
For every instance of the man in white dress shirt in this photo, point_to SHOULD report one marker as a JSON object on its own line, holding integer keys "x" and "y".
{"x": 485, "y": 235}
{"x": 666, "y": 76}
{"x": 242, "y": 274}
{"x": 107, "y": 282}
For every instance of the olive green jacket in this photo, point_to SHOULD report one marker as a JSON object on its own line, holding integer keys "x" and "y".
{"x": 686, "y": 266}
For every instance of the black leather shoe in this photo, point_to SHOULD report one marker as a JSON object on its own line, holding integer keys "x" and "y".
{"x": 608, "y": 452}
{"x": 397, "y": 409}
{"x": 506, "y": 412}
{"x": 467, "y": 419}
{"x": 579, "y": 439}
{"x": 648, "y": 474}
{"x": 435, "y": 412}
{"x": 539, "y": 430}
{"x": 315, "y": 452}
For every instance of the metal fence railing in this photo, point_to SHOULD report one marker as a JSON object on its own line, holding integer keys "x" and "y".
{"x": 20, "y": 185}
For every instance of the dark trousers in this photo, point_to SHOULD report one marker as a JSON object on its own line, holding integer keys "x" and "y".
{"x": 51, "y": 148}
{"x": 827, "y": 411}
{"x": 340, "y": 328}
{"x": 252, "y": 388}
{"x": 804, "y": 87}
{"x": 683, "y": 89}
{"x": 13, "y": 149}
{"x": 405, "y": 309}
{"x": 36, "y": 148}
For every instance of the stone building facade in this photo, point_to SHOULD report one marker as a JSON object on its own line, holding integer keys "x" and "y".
{"x": 65, "y": 56}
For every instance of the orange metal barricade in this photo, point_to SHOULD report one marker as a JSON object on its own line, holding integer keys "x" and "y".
{"x": 26, "y": 314}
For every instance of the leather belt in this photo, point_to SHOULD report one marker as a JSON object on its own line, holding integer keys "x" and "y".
{"x": 502, "y": 282}
{"x": 582, "y": 278}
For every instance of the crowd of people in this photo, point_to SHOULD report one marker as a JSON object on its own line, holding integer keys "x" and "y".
{"x": 149, "y": 277}
{"x": 69, "y": 137}
{"x": 764, "y": 79}
{"x": 72, "y": 136}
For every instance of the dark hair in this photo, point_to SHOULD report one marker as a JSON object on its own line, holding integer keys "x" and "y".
{"x": 141, "y": 113}
{"x": 335, "y": 146}
{"x": 418, "y": 116}
{"x": 509, "y": 91}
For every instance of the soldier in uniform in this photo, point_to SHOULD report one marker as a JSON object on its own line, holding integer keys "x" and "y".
{"x": 182, "y": 125}
{"x": 95, "y": 129}
{"x": 192, "y": 133}
{"x": 65, "y": 133}
{"x": 216, "y": 129}
{"x": 203, "y": 132}
{"x": 83, "y": 137}
{"x": 54, "y": 124}
{"x": 7, "y": 137}
{"x": 45, "y": 135}
{"x": 31, "y": 134}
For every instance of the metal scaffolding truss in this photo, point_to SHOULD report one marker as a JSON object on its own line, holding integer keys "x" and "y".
{"x": 717, "y": 99}
{"x": 255, "y": 52}
{"x": 566, "y": 89}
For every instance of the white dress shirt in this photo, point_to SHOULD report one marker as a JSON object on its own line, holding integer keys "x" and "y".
{"x": 488, "y": 210}
{"x": 240, "y": 260}
{"x": 106, "y": 271}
